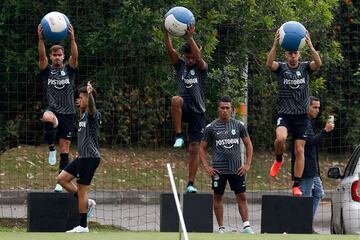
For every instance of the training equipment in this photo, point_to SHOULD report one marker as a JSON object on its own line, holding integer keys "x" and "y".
{"x": 177, "y": 20}
{"x": 197, "y": 210}
{"x": 51, "y": 212}
{"x": 55, "y": 26}
{"x": 288, "y": 214}
{"x": 292, "y": 36}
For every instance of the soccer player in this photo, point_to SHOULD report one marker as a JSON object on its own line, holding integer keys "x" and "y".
{"x": 293, "y": 104}
{"x": 224, "y": 135}
{"x": 58, "y": 79}
{"x": 84, "y": 166}
{"x": 189, "y": 105}
{"x": 311, "y": 184}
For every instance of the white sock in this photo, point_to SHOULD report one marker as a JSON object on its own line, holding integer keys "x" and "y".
{"x": 246, "y": 224}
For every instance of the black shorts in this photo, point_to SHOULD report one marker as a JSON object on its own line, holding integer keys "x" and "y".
{"x": 237, "y": 183}
{"x": 296, "y": 124}
{"x": 196, "y": 121}
{"x": 83, "y": 169}
{"x": 66, "y": 125}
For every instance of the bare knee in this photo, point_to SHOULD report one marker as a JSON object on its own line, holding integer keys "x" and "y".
{"x": 280, "y": 140}
{"x": 194, "y": 149}
{"x": 177, "y": 101}
{"x": 299, "y": 149}
{"x": 48, "y": 117}
{"x": 217, "y": 199}
{"x": 241, "y": 197}
{"x": 59, "y": 179}
{"x": 64, "y": 145}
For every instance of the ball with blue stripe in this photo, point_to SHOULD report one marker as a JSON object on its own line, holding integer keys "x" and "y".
{"x": 292, "y": 36}
{"x": 55, "y": 26}
{"x": 177, "y": 20}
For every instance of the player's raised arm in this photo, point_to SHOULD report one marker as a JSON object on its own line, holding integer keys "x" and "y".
{"x": 43, "y": 60}
{"x": 73, "y": 59}
{"x": 194, "y": 48}
{"x": 316, "y": 63}
{"x": 270, "y": 62}
{"x": 91, "y": 103}
{"x": 173, "y": 54}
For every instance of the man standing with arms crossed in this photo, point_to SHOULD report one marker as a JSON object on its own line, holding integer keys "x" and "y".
{"x": 224, "y": 135}
{"x": 58, "y": 79}
{"x": 189, "y": 105}
{"x": 293, "y": 104}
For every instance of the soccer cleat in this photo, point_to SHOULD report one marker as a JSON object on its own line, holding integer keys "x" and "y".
{"x": 248, "y": 230}
{"x": 58, "y": 188}
{"x": 91, "y": 206}
{"x": 179, "y": 142}
{"x": 275, "y": 168}
{"x": 296, "y": 191}
{"x": 191, "y": 189}
{"x": 222, "y": 229}
{"x": 79, "y": 229}
{"x": 52, "y": 157}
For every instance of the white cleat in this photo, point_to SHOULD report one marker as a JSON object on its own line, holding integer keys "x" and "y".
{"x": 91, "y": 206}
{"x": 221, "y": 229}
{"x": 58, "y": 188}
{"x": 248, "y": 230}
{"x": 79, "y": 229}
{"x": 52, "y": 157}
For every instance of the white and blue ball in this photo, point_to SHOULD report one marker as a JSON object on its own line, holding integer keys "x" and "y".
{"x": 177, "y": 20}
{"x": 292, "y": 36}
{"x": 55, "y": 26}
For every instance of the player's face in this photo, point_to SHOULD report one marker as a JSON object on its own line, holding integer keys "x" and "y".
{"x": 57, "y": 58}
{"x": 189, "y": 59}
{"x": 314, "y": 109}
{"x": 292, "y": 58}
{"x": 225, "y": 110}
{"x": 83, "y": 101}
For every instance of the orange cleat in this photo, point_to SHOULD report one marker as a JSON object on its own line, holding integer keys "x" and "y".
{"x": 296, "y": 191}
{"x": 275, "y": 168}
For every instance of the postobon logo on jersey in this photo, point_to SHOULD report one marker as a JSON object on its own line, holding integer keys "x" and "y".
{"x": 82, "y": 125}
{"x": 59, "y": 84}
{"x": 294, "y": 83}
{"x": 189, "y": 82}
{"x": 227, "y": 143}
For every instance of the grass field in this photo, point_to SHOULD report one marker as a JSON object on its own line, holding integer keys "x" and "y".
{"x": 167, "y": 236}
{"x": 26, "y": 167}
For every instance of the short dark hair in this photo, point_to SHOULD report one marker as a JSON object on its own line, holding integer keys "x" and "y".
{"x": 84, "y": 91}
{"x": 314, "y": 99}
{"x": 55, "y": 48}
{"x": 186, "y": 48}
{"x": 225, "y": 98}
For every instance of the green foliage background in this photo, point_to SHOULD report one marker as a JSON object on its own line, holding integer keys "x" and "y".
{"x": 122, "y": 52}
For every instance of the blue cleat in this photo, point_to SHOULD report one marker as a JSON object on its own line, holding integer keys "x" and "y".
{"x": 52, "y": 157}
{"x": 191, "y": 189}
{"x": 91, "y": 206}
{"x": 58, "y": 188}
{"x": 179, "y": 143}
